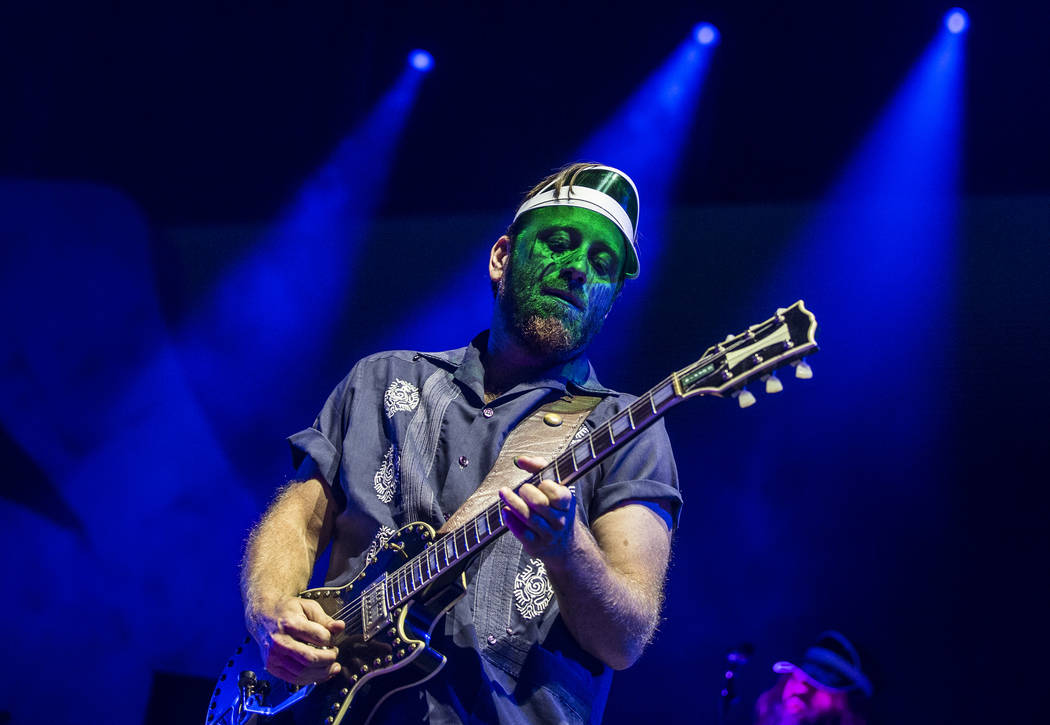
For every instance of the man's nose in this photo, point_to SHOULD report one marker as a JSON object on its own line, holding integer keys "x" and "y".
{"x": 575, "y": 270}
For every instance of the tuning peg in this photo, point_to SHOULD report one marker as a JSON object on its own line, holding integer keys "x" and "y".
{"x": 744, "y": 398}
{"x": 773, "y": 384}
{"x": 802, "y": 370}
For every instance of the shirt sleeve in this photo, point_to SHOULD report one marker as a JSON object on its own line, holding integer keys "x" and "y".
{"x": 317, "y": 450}
{"x": 644, "y": 469}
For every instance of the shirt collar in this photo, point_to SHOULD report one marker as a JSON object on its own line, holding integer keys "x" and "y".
{"x": 465, "y": 363}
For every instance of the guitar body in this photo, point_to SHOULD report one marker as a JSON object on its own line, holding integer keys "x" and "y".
{"x": 396, "y": 656}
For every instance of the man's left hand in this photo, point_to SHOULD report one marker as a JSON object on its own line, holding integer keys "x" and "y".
{"x": 542, "y": 517}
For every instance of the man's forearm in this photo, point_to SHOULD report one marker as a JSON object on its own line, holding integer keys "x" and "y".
{"x": 611, "y": 616}
{"x": 283, "y": 547}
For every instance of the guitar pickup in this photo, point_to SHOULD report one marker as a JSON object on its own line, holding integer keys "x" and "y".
{"x": 375, "y": 616}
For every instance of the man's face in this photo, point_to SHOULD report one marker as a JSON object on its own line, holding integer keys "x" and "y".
{"x": 804, "y": 699}
{"x": 561, "y": 280}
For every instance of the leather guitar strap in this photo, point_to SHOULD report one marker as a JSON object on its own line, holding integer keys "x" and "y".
{"x": 544, "y": 434}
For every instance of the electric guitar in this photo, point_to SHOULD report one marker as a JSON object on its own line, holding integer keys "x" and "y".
{"x": 394, "y": 603}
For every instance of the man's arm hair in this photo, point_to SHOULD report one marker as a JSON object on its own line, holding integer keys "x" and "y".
{"x": 295, "y": 635}
{"x": 610, "y": 586}
{"x": 283, "y": 547}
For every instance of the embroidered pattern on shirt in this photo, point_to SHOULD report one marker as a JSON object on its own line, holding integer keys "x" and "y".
{"x": 532, "y": 590}
{"x": 400, "y": 395}
{"x": 384, "y": 535}
{"x": 386, "y": 478}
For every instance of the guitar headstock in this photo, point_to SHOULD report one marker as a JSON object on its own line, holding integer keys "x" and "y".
{"x": 726, "y": 368}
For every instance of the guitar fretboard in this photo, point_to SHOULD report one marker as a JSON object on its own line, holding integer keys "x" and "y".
{"x": 786, "y": 337}
{"x": 459, "y": 545}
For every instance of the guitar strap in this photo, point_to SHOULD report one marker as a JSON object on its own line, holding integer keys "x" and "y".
{"x": 544, "y": 434}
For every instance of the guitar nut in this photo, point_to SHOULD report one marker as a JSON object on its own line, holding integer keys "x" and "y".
{"x": 377, "y": 662}
{"x": 344, "y": 692}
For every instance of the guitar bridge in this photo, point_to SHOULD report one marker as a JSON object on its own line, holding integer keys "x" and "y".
{"x": 375, "y": 616}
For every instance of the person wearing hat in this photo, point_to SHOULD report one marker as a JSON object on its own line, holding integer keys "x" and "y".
{"x": 410, "y": 435}
{"x": 822, "y": 689}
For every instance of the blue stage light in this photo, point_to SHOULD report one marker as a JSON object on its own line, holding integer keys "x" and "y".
{"x": 421, "y": 60}
{"x": 706, "y": 34}
{"x": 956, "y": 20}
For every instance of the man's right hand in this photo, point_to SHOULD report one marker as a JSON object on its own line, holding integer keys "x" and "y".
{"x": 295, "y": 637}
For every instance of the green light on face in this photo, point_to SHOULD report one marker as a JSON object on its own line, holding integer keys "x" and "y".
{"x": 565, "y": 268}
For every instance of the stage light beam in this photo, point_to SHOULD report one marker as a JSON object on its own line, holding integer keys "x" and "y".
{"x": 421, "y": 60}
{"x": 956, "y": 20}
{"x": 706, "y": 34}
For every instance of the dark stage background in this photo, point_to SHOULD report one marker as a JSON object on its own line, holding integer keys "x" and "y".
{"x": 204, "y": 227}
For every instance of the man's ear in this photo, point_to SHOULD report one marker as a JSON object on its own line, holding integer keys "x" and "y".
{"x": 499, "y": 258}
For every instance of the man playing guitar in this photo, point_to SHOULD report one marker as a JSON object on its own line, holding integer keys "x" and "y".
{"x": 409, "y": 436}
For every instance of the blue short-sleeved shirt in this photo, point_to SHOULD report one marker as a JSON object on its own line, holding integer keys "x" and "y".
{"x": 407, "y": 436}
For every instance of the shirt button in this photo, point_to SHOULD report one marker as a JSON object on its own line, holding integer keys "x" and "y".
{"x": 488, "y": 412}
{"x": 510, "y": 631}
{"x": 464, "y": 461}
{"x": 492, "y": 639}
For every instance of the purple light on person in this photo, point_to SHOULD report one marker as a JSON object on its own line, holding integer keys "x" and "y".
{"x": 956, "y": 20}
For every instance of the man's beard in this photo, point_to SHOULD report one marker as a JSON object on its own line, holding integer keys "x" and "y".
{"x": 546, "y": 335}
{"x": 541, "y": 325}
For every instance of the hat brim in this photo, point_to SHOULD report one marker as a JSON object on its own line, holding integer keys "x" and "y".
{"x": 856, "y": 680}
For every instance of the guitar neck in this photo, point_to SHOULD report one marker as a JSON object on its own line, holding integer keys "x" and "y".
{"x": 722, "y": 371}
{"x": 460, "y": 545}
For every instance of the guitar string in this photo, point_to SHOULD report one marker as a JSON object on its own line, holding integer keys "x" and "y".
{"x": 356, "y": 606}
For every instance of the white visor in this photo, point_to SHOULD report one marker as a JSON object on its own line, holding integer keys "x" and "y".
{"x": 590, "y": 191}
